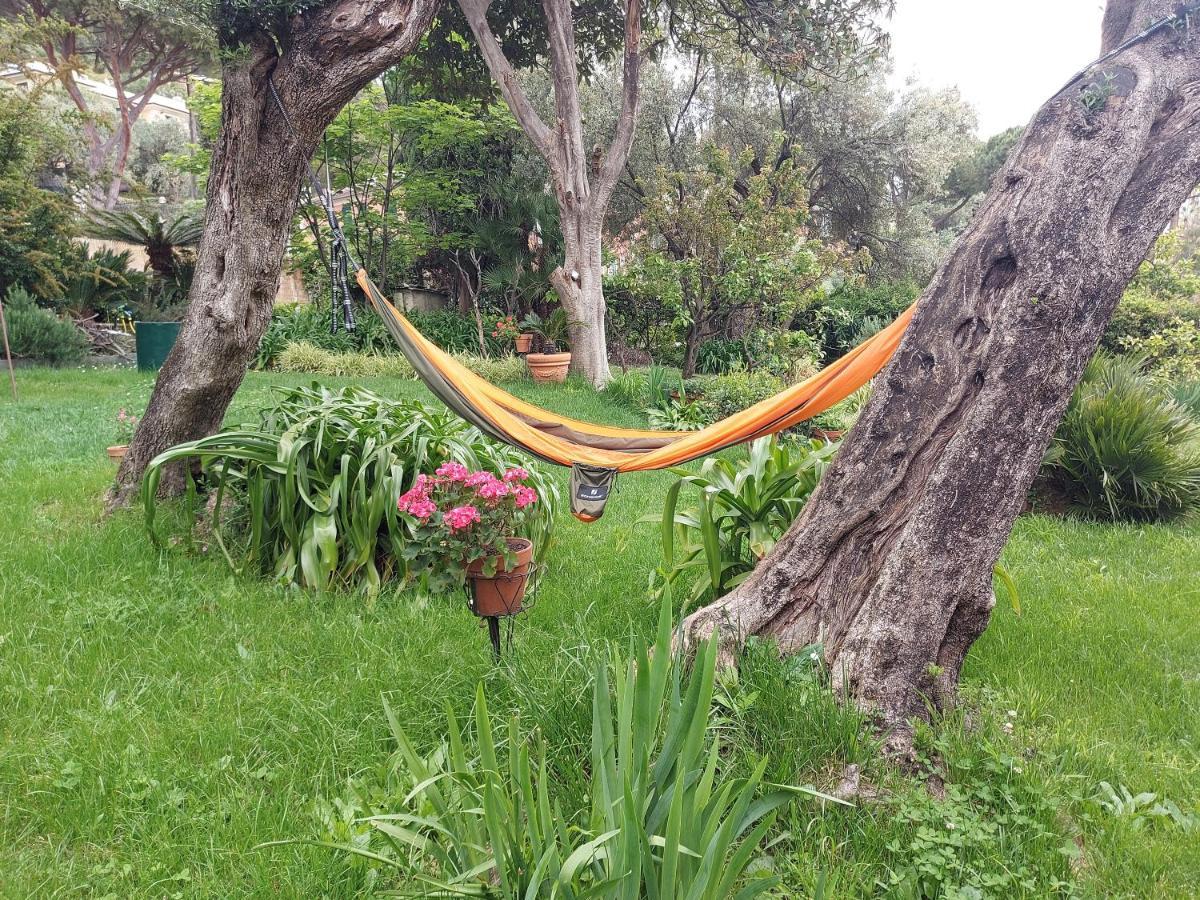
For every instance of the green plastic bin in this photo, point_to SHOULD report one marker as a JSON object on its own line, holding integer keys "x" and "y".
{"x": 154, "y": 341}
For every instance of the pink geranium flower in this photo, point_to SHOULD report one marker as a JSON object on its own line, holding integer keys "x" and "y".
{"x": 516, "y": 473}
{"x": 461, "y": 517}
{"x": 525, "y": 496}
{"x": 478, "y": 479}
{"x": 455, "y": 471}
{"x": 423, "y": 508}
{"x": 493, "y": 490}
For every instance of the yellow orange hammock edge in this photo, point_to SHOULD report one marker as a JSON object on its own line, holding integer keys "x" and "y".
{"x": 596, "y": 453}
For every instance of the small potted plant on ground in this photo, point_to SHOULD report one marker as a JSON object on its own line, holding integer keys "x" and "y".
{"x": 464, "y": 525}
{"x": 553, "y": 356}
{"x": 126, "y": 426}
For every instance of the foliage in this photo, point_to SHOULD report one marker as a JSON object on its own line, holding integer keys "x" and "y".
{"x": 676, "y": 415}
{"x": 151, "y": 161}
{"x": 37, "y": 334}
{"x": 1159, "y": 314}
{"x": 959, "y": 842}
{"x": 37, "y": 230}
{"x": 163, "y": 234}
{"x": 103, "y": 285}
{"x": 742, "y": 509}
{"x": 496, "y": 369}
{"x": 718, "y": 246}
{"x": 458, "y": 334}
{"x": 1125, "y": 451}
{"x": 303, "y": 358}
{"x": 549, "y": 333}
{"x": 853, "y": 309}
{"x": 722, "y": 396}
{"x": 1187, "y": 395}
{"x": 1144, "y": 809}
{"x": 484, "y": 818}
{"x": 316, "y": 480}
{"x": 843, "y": 415}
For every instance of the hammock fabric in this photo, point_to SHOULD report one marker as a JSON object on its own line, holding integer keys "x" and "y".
{"x": 596, "y": 453}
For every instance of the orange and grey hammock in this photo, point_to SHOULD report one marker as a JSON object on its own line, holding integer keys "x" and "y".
{"x": 596, "y": 453}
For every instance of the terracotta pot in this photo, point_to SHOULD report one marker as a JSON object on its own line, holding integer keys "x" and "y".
{"x": 524, "y": 342}
{"x": 548, "y": 366}
{"x": 501, "y": 594}
{"x": 827, "y": 435}
{"x": 118, "y": 452}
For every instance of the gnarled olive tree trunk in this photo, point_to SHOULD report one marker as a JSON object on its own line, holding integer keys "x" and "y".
{"x": 890, "y": 565}
{"x": 258, "y": 165}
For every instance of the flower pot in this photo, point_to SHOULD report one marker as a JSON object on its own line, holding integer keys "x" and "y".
{"x": 548, "y": 366}
{"x": 523, "y": 342}
{"x": 117, "y": 452}
{"x": 500, "y": 594}
{"x": 827, "y": 435}
{"x": 153, "y": 342}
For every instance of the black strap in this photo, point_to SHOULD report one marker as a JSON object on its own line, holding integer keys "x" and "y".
{"x": 340, "y": 260}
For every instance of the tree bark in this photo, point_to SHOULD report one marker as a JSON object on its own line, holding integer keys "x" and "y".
{"x": 254, "y": 184}
{"x": 583, "y": 182}
{"x": 889, "y": 567}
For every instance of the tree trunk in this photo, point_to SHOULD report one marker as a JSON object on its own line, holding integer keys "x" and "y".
{"x": 254, "y": 183}
{"x": 890, "y": 564}
{"x": 583, "y": 182}
{"x": 579, "y": 283}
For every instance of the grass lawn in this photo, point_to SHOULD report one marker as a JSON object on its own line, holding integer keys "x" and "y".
{"x": 159, "y": 717}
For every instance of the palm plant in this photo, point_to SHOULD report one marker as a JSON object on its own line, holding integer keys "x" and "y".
{"x": 162, "y": 236}
{"x": 1125, "y": 449}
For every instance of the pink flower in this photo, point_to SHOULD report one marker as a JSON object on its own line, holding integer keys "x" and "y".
{"x": 455, "y": 471}
{"x": 516, "y": 473}
{"x": 480, "y": 478}
{"x": 121, "y": 416}
{"x": 493, "y": 490}
{"x": 416, "y": 494}
{"x": 422, "y": 509}
{"x": 525, "y": 496}
{"x": 460, "y": 518}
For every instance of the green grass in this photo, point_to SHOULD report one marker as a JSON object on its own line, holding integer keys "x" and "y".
{"x": 159, "y": 717}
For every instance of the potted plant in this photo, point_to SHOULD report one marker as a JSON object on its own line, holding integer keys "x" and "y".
{"x": 553, "y": 356}
{"x": 464, "y": 525}
{"x": 126, "y": 426}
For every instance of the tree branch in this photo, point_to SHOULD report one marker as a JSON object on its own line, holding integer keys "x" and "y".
{"x": 506, "y": 77}
{"x": 618, "y": 151}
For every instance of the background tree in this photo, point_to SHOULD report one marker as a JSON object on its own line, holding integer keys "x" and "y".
{"x": 890, "y": 564}
{"x": 795, "y": 38}
{"x": 137, "y": 50}
{"x": 315, "y": 60}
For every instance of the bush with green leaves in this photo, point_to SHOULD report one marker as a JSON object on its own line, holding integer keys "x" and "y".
{"x": 458, "y": 334}
{"x": 741, "y": 509}
{"x": 1187, "y": 395}
{"x": 38, "y": 335}
{"x": 308, "y": 493}
{"x": 720, "y": 396}
{"x": 1125, "y": 451}
{"x": 839, "y": 321}
{"x": 482, "y": 816}
{"x": 307, "y": 359}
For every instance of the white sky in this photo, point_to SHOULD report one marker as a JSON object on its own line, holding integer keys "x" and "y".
{"x": 1006, "y": 58}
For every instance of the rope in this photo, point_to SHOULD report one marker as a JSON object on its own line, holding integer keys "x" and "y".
{"x": 1182, "y": 15}
{"x": 340, "y": 260}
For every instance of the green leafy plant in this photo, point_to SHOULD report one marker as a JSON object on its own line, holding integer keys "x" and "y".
{"x": 479, "y": 816}
{"x": 1144, "y": 809}
{"x": 550, "y": 333}
{"x": 37, "y": 334}
{"x": 306, "y": 359}
{"x": 1125, "y": 450}
{"x": 677, "y": 415}
{"x": 1187, "y": 395}
{"x": 314, "y": 485}
{"x": 741, "y": 511}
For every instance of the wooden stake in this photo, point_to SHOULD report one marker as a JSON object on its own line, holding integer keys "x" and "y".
{"x": 12, "y": 376}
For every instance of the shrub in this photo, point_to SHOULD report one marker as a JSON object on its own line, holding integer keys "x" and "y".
{"x": 1172, "y": 352}
{"x": 497, "y": 370}
{"x": 1125, "y": 450}
{"x": 315, "y": 485}
{"x": 723, "y": 395}
{"x": 306, "y": 359}
{"x": 839, "y": 321}
{"x": 39, "y": 335}
{"x": 718, "y": 357}
{"x": 628, "y": 389}
{"x": 482, "y": 814}
{"x": 458, "y": 334}
{"x": 742, "y": 509}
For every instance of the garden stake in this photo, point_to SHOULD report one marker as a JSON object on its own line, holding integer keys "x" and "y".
{"x": 12, "y": 376}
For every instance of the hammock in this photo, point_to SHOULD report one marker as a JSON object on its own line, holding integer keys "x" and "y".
{"x": 596, "y": 453}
